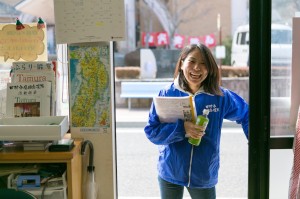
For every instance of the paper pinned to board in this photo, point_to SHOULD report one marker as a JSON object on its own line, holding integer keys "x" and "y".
{"x": 170, "y": 109}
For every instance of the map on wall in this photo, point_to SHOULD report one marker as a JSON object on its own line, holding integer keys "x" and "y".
{"x": 90, "y": 92}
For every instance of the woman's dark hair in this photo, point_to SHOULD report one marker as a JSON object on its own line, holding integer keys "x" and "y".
{"x": 212, "y": 82}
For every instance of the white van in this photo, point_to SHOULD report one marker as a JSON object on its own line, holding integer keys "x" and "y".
{"x": 281, "y": 46}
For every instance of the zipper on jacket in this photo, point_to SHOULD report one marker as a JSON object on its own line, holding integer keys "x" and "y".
{"x": 192, "y": 151}
{"x": 190, "y": 168}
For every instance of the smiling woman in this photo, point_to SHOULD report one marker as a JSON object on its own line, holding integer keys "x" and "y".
{"x": 194, "y": 70}
{"x": 210, "y": 76}
{"x": 180, "y": 164}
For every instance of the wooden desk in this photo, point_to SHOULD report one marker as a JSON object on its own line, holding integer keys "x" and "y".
{"x": 71, "y": 158}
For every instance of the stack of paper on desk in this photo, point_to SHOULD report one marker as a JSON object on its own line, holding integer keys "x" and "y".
{"x": 36, "y": 145}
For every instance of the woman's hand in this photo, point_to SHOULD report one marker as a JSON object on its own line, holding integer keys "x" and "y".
{"x": 193, "y": 130}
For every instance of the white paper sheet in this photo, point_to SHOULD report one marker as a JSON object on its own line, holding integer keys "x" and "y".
{"x": 78, "y": 21}
{"x": 169, "y": 109}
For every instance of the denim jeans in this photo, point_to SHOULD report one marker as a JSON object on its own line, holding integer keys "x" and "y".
{"x": 173, "y": 191}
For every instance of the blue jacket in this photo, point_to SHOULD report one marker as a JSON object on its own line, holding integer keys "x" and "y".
{"x": 194, "y": 166}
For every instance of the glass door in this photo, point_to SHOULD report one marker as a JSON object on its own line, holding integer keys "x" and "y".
{"x": 284, "y": 95}
{"x": 274, "y": 97}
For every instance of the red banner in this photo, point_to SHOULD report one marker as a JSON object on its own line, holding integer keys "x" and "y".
{"x": 162, "y": 39}
{"x": 210, "y": 40}
{"x": 193, "y": 40}
{"x": 150, "y": 37}
{"x": 179, "y": 41}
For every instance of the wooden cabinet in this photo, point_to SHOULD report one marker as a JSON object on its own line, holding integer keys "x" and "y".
{"x": 71, "y": 158}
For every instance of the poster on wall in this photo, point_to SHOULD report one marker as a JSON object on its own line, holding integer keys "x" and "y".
{"x": 27, "y": 44}
{"x": 89, "y": 21}
{"x": 90, "y": 88}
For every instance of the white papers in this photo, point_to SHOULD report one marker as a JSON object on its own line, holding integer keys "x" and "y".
{"x": 169, "y": 109}
{"x": 30, "y": 99}
{"x": 78, "y": 21}
{"x": 34, "y": 72}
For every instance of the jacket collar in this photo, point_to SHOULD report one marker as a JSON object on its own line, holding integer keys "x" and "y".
{"x": 177, "y": 86}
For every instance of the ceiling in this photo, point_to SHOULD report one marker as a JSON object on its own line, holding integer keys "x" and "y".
{"x": 38, "y": 8}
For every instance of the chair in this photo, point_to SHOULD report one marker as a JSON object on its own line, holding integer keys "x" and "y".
{"x": 15, "y": 194}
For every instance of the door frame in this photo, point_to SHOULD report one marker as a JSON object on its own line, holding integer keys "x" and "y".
{"x": 260, "y": 142}
{"x": 259, "y": 98}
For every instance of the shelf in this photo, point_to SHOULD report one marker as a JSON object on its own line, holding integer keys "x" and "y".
{"x": 72, "y": 159}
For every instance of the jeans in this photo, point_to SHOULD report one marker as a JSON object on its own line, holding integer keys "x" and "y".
{"x": 173, "y": 191}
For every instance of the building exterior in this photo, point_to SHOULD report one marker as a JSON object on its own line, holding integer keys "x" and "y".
{"x": 197, "y": 19}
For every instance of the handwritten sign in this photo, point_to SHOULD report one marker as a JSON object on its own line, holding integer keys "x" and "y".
{"x": 28, "y": 44}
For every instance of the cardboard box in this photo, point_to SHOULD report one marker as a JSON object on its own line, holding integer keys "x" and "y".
{"x": 33, "y": 128}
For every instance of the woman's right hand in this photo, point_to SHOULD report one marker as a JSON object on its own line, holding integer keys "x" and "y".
{"x": 193, "y": 130}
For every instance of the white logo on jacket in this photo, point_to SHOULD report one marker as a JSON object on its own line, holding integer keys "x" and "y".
{"x": 212, "y": 108}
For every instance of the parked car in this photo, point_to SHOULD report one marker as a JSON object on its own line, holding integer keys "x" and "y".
{"x": 281, "y": 46}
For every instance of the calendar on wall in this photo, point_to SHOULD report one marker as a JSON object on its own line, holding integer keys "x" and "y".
{"x": 78, "y": 21}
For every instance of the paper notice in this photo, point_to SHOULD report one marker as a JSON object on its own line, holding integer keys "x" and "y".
{"x": 28, "y": 44}
{"x": 78, "y": 21}
{"x": 170, "y": 109}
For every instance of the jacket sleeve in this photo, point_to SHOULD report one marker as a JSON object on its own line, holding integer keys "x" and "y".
{"x": 237, "y": 110}
{"x": 163, "y": 133}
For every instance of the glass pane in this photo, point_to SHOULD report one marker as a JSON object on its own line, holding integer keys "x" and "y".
{"x": 284, "y": 92}
{"x": 282, "y": 123}
{"x": 280, "y": 173}
{"x": 62, "y": 105}
{"x": 194, "y": 22}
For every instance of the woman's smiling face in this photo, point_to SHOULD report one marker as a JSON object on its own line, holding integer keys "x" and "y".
{"x": 194, "y": 70}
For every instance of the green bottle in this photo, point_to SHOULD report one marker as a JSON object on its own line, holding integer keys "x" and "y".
{"x": 202, "y": 120}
